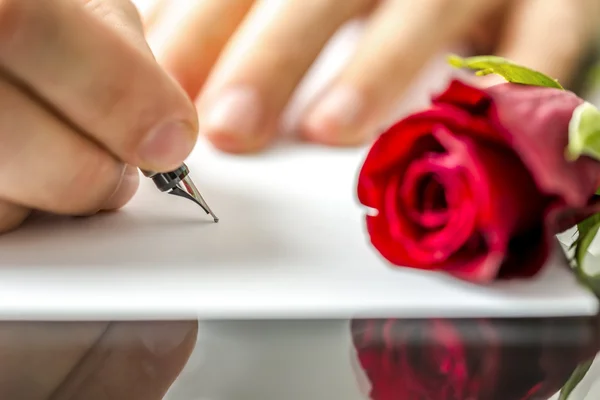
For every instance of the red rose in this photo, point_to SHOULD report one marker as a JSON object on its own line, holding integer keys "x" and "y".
{"x": 478, "y": 184}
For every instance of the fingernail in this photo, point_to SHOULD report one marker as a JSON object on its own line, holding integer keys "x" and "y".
{"x": 161, "y": 339}
{"x": 167, "y": 145}
{"x": 236, "y": 112}
{"x": 337, "y": 113}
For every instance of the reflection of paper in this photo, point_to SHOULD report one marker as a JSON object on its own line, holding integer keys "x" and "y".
{"x": 272, "y": 360}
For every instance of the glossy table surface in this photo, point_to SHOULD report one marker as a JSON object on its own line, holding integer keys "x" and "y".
{"x": 320, "y": 360}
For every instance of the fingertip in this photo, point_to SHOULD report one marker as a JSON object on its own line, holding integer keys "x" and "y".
{"x": 339, "y": 118}
{"x": 229, "y": 142}
{"x": 233, "y": 121}
{"x": 169, "y": 339}
{"x": 348, "y": 138}
{"x": 167, "y": 145}
{"x": 12, "y": 216}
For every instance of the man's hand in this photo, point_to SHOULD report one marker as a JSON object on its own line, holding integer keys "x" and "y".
{"x": 244, "y": 80}
{"x": 82, "y": 104}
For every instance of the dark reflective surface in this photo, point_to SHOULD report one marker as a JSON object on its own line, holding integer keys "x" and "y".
{"x": 402, "y": 359}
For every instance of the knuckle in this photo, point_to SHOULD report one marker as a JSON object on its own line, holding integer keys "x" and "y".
{"x": 116, "y": 12}
{"x": 95, "y": 179}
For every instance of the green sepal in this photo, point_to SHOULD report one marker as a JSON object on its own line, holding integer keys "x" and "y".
{"x": 587, "y": 229}
{"x": 584, "y": 132}
{"x": 514, "y": 73}
{"x": 576, "y": 377}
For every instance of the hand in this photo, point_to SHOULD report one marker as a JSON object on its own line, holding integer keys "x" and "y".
{"x": 82, "y": 104}
{"x": 253, "y": 72}
{"x": 92, "y": 360}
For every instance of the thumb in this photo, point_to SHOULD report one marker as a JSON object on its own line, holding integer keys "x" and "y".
{"x": 124, "y": 17}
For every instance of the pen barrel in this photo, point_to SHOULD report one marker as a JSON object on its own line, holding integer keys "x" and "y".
{"x": 166, "y": 181}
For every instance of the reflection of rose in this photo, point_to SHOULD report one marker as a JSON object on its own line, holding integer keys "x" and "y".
{"x": 425, "y": 360}
{"x": 470, "y": 359}
{"x": 477, "y": 184}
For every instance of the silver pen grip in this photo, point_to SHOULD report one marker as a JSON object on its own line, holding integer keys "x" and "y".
{"x": 166, "y": 181}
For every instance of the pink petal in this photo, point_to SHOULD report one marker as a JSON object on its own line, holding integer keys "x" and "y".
{"x": 535, "y": 121}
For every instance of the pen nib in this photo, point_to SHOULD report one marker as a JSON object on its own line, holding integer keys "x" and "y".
{"x": 188, "y": 190}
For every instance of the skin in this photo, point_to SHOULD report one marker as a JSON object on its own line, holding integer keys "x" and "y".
{"x": 82, "y": 96}
{"x": 100, "y": 107}
{"x": 241, "y": 94}
{"x": 76, "y": 146}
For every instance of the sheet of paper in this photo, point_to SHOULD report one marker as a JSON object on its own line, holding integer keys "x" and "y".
{"x": 290, "y": 243}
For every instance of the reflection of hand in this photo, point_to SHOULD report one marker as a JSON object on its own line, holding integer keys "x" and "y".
{"x": 92, "y": 361}
{"x": 242, "y": 102}
{"x": 80, "y": 99}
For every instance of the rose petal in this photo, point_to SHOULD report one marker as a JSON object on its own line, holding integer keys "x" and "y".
{"x": 438, "y": 245}
{"x": 535, "y": 120}
{"x": 464, "y": 96}
{"x": 423, "y": 197}
{"x": 408, "y": 140}
{"x": 509, "y": 203}
{"x": 478, "y": 269}
{"x": 387, "y": 245}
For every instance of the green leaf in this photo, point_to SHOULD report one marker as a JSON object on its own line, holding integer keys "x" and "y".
{"x": 584, "y": 132}
{"x": 576, "y": 377}
{"x": 587, "y": 232}
{"x": 510, "y": 71}
{"x": 587, "y": 224}
{"x": 572, "y": 245}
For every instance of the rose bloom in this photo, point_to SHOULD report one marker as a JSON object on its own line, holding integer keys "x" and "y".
{"x": 478, "y": 184}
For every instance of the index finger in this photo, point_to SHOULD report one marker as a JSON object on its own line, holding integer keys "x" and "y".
{"x": 98, "y": 80}
{"x": 400, "y": 38}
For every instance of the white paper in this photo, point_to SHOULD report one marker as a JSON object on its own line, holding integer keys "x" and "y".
{"x": 290, "y": 243}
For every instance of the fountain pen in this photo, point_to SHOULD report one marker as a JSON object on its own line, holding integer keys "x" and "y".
{"x": 179, "y": 183}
